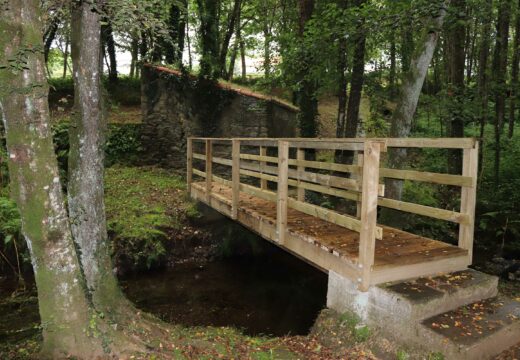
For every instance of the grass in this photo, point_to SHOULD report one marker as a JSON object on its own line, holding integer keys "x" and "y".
{"x": 144, "y": 206}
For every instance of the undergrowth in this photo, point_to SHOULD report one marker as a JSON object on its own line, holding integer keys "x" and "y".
{"x": 144, "y": 206}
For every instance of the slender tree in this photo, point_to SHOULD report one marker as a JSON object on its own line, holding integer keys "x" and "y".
{"x": 455, "y": 51}
{"x": 410, "y": 91}
{"x": 307, "y": 95}
{"x": 499, "y": 70}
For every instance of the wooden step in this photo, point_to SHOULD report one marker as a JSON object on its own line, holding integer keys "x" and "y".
{"x": 479, "y": 330}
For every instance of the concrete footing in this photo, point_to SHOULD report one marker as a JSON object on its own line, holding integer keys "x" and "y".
{"x": 404, "y": 311}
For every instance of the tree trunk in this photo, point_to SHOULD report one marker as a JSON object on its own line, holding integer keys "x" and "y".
{"x": 456, "y": 61}
{"x": 135, "y": 54}
{"x": 86, "y": 157}
{"x": 307, "y": 95}
{"x": 358, "y": 76}
{"x": 188, "y": 40}
{"x": 499, "y": 69}
{"x": 66, "y": 57}
{"x": 392, "y": 74}
{"x": 108, "y": 40}
{"x": 227, "y": 37}
{"x": 356, "y": 87}
{"x": 232, "y": 61}
{"x": 410, "y": 91}
{"x": 483, "y": 73}
{"x": 49, "y": 37}
{"x": 243, "y": 58}
{"x": 267, "y": 49}
{"x": 514, "y": 74}
{"x": 177, "y": 31}
{"x": 209, "y": 61}
{"x": 36, "y": 188}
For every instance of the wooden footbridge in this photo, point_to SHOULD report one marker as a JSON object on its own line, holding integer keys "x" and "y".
{"x": 262, "y": 184}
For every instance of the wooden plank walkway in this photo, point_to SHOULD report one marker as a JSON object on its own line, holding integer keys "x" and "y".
{"x": 397, "y": 249}
{"x": 353, "y": 246}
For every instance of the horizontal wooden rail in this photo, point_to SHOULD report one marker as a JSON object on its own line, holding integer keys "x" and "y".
{"x": 424, "y": 176}
{"x": 428, "y": 211}
{"x": 442, "y": 143}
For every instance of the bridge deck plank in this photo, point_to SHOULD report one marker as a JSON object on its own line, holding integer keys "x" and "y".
{"x": 397, "y": 248}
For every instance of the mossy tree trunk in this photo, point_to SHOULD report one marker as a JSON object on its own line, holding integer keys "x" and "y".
{"x": 64, "y": 308}
{"x": 86, "y": 161}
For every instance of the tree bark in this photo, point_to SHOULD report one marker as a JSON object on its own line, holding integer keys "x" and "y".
{"x": 483, "y": 72}
{"x": 227, "y": 37}
{"x": 36, "y": 188}
{"x": 356, "y": 87}
{"x": 86, "y": 157}
{"x": 209, "y": 34}
{"x": 455, "y": 45}
{"x": 110, "y": 45}
{"x": 307, "y": 100}
{"x": 66, "y": 57}
{"x": 135, "y": 55}
{"x": 177, "y": 30}
{"x": 393, "y": 72}
{"x": 49, "y": 37}
{"x": 243, "y": 58}
{"x": 499, "y": 69}
{"x": 409, "y": 96}
{"x": 514, "y": 74}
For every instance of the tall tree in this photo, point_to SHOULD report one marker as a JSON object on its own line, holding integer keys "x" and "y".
{"x": 483, "y": 72}
{"x": 208, "y": 15}
{"x": 410, "y": 91}
{"x": 455, "y": 51}
{"x": 342, "y": 66}
{"x": 110, "y": 48}
{"x": 177, "y": 30}
{"x": 358, "y": 75}
{"x": 307, "y": 99}
{"x": 224, "y": 47}
{"x": 499, "y": 70}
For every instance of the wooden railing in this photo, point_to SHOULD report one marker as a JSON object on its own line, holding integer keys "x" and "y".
{"x": 288, "y": 168}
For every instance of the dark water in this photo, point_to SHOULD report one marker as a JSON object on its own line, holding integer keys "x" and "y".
{"x": 272, "y": 295}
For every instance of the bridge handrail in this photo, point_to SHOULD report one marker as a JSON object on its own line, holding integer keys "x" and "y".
{"x": 363, "y": 186}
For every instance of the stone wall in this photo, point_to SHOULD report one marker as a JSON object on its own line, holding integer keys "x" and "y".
{"x": 176, "y": 106}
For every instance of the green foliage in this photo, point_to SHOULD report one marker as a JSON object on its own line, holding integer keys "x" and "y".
{"x": 360, "y": 332}
{"x": 436, "y": 356}
{"x": 123, "y": 144}
{"x": 402, "y": 355}
{"x": 10, "y": 222}
{"x": 144, "y": 206}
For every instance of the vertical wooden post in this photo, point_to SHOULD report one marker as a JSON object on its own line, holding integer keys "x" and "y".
{"x": 367, "y": 236}
{"x": 189, "y": 164}
{"x": 209, "y": 171}
{"x": 359, "y": 178}
{"x": 263, "y": 182}
{"x": 300, "y": 155}
{"x": 468, "y": 200}
{"x": 282, "y": 190}
{"x": 235, "y": 177}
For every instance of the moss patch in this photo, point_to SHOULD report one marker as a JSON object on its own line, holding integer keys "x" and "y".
{"x": 146, "y": 209}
